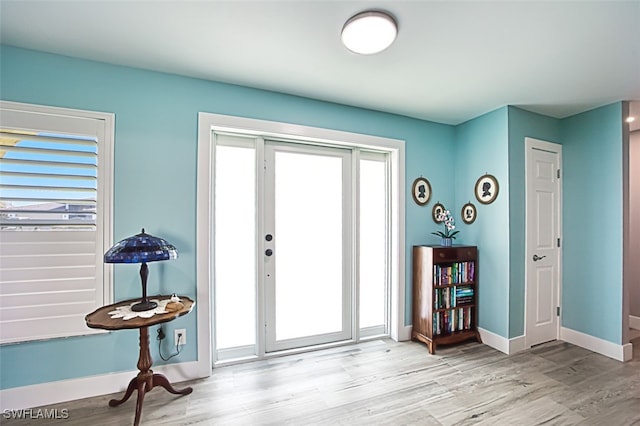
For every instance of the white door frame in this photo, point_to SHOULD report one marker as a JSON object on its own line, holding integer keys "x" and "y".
{"x": 530, "y": 144}
{"x": 207, "y": 123}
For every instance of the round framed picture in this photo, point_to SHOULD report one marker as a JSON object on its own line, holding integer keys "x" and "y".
{"x": 421, "y": 191}
{"x": 437, "y": 209}
{"x": 486, "y": 189}
{"x": 468, "y": 213}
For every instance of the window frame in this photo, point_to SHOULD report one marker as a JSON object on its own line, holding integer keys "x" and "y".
{"x": 41, "y": 118}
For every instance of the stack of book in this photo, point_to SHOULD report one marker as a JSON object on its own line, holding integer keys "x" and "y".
{"x": 459, "y": 272}
{"x": 463, "y": 295}
{"x": 450, "y": 297}
{"x": 450, "y": 321}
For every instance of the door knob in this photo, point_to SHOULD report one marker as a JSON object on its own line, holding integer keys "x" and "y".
{"x": 268, "y": 252}
{"x": 536, "y": 257}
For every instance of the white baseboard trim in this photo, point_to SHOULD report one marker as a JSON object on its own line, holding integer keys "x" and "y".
{"x": 517, "y": 344}
{"x": 496, "y": 341}
{"x": 627, "y": 352}
{"x": 634, "y": 322}
{"x": 405, "y": 333}
{"x": 500, "y": 343}
{"x": 604, "y": 347}
{"x": 68, "y": 390}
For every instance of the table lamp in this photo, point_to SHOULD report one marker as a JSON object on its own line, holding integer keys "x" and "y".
{"x": 141, "y": 248}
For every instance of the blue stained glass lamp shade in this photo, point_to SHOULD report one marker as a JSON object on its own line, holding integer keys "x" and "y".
{"x": 141, "y": 248}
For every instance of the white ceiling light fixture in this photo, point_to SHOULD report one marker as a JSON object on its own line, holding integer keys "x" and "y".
{"x": 369, "y": 32}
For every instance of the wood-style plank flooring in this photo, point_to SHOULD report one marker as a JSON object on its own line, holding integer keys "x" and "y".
{"x": 383, "y": 382}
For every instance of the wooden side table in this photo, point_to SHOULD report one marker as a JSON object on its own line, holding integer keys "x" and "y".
{"x": 146, "y": 378}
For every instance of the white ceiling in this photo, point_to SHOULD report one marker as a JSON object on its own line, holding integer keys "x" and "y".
{"x": 451, "y": 62}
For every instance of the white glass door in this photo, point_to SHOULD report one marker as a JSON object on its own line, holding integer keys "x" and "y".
{"x": 234, "y": 312}
{"x": 301, "y": 246}
{"x": 373, "y": 236}
{"x": 307, "y": 245}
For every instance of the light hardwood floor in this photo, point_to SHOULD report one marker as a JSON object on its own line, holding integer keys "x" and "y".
{"x": 382, "y": 382}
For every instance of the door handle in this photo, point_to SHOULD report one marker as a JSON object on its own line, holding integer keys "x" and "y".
{"x": 536, "y": 257}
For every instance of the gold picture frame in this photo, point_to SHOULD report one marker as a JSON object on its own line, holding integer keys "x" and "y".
{"x": 437, "y": 209}
{"x": 487, "y": 189}
{"x": 421, "y": 191}
{"x": 468, "y": 213}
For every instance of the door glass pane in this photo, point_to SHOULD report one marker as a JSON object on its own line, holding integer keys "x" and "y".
{"x": 308, "y": 244}
{"x": 235, "y": 239}
{"x": 373, "y": 253}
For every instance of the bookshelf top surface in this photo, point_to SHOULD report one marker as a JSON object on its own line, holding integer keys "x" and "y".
{"x": 445, "y": 247}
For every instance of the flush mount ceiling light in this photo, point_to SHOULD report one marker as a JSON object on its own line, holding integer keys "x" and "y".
{"x": 369, "y": 32}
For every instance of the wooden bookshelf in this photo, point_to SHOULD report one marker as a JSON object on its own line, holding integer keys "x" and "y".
{"x": 445, "y": 295}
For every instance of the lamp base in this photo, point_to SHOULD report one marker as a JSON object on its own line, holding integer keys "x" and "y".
{"x": 145, "y": 305}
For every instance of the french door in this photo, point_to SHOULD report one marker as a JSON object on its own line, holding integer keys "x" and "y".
{"x": 301, "y": 239}
{"x": 307, "y": 245}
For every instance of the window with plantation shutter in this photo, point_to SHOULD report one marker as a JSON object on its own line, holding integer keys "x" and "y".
{"x": 55, "y": 216}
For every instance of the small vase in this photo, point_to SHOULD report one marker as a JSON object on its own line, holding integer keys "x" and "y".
{"x": 447, "y": 242}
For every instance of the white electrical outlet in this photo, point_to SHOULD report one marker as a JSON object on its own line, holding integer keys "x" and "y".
{"x": 183, "y": 337}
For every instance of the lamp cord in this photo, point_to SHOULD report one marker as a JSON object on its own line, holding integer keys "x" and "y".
{"x": 170, "y": 356}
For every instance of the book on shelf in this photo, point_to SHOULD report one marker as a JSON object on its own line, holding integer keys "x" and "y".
{"x": 450, "y": 297}
{"x": 464, "y": 301}
{"x": 456, "y": 273}
{"x": 452, "y": 320}
{"x": 464, "y": 291}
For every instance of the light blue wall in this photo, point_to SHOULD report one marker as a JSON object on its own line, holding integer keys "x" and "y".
{"x": 155, "y": 181}
{"x": 522, "y": 124}
{"x": 592, "y": 151}
{"x": 592, "y": 220}
{"x": 482, "y": 147}
{"x": 432, "y": 161}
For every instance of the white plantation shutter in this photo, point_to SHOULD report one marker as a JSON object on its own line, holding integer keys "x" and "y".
{"x": 49, "y": 181}
{"x": 55, "y": 219}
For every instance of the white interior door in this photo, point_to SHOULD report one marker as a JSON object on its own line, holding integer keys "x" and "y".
{"x": 543, "y": 231}
{"x": 307, "y": 245}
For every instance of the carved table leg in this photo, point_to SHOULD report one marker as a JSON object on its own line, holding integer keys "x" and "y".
{"x": 160, "y": 380}
{"x": 146, "y": 379}
{"x": 141, "y": 392}
{"x": 133, "y": 385}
